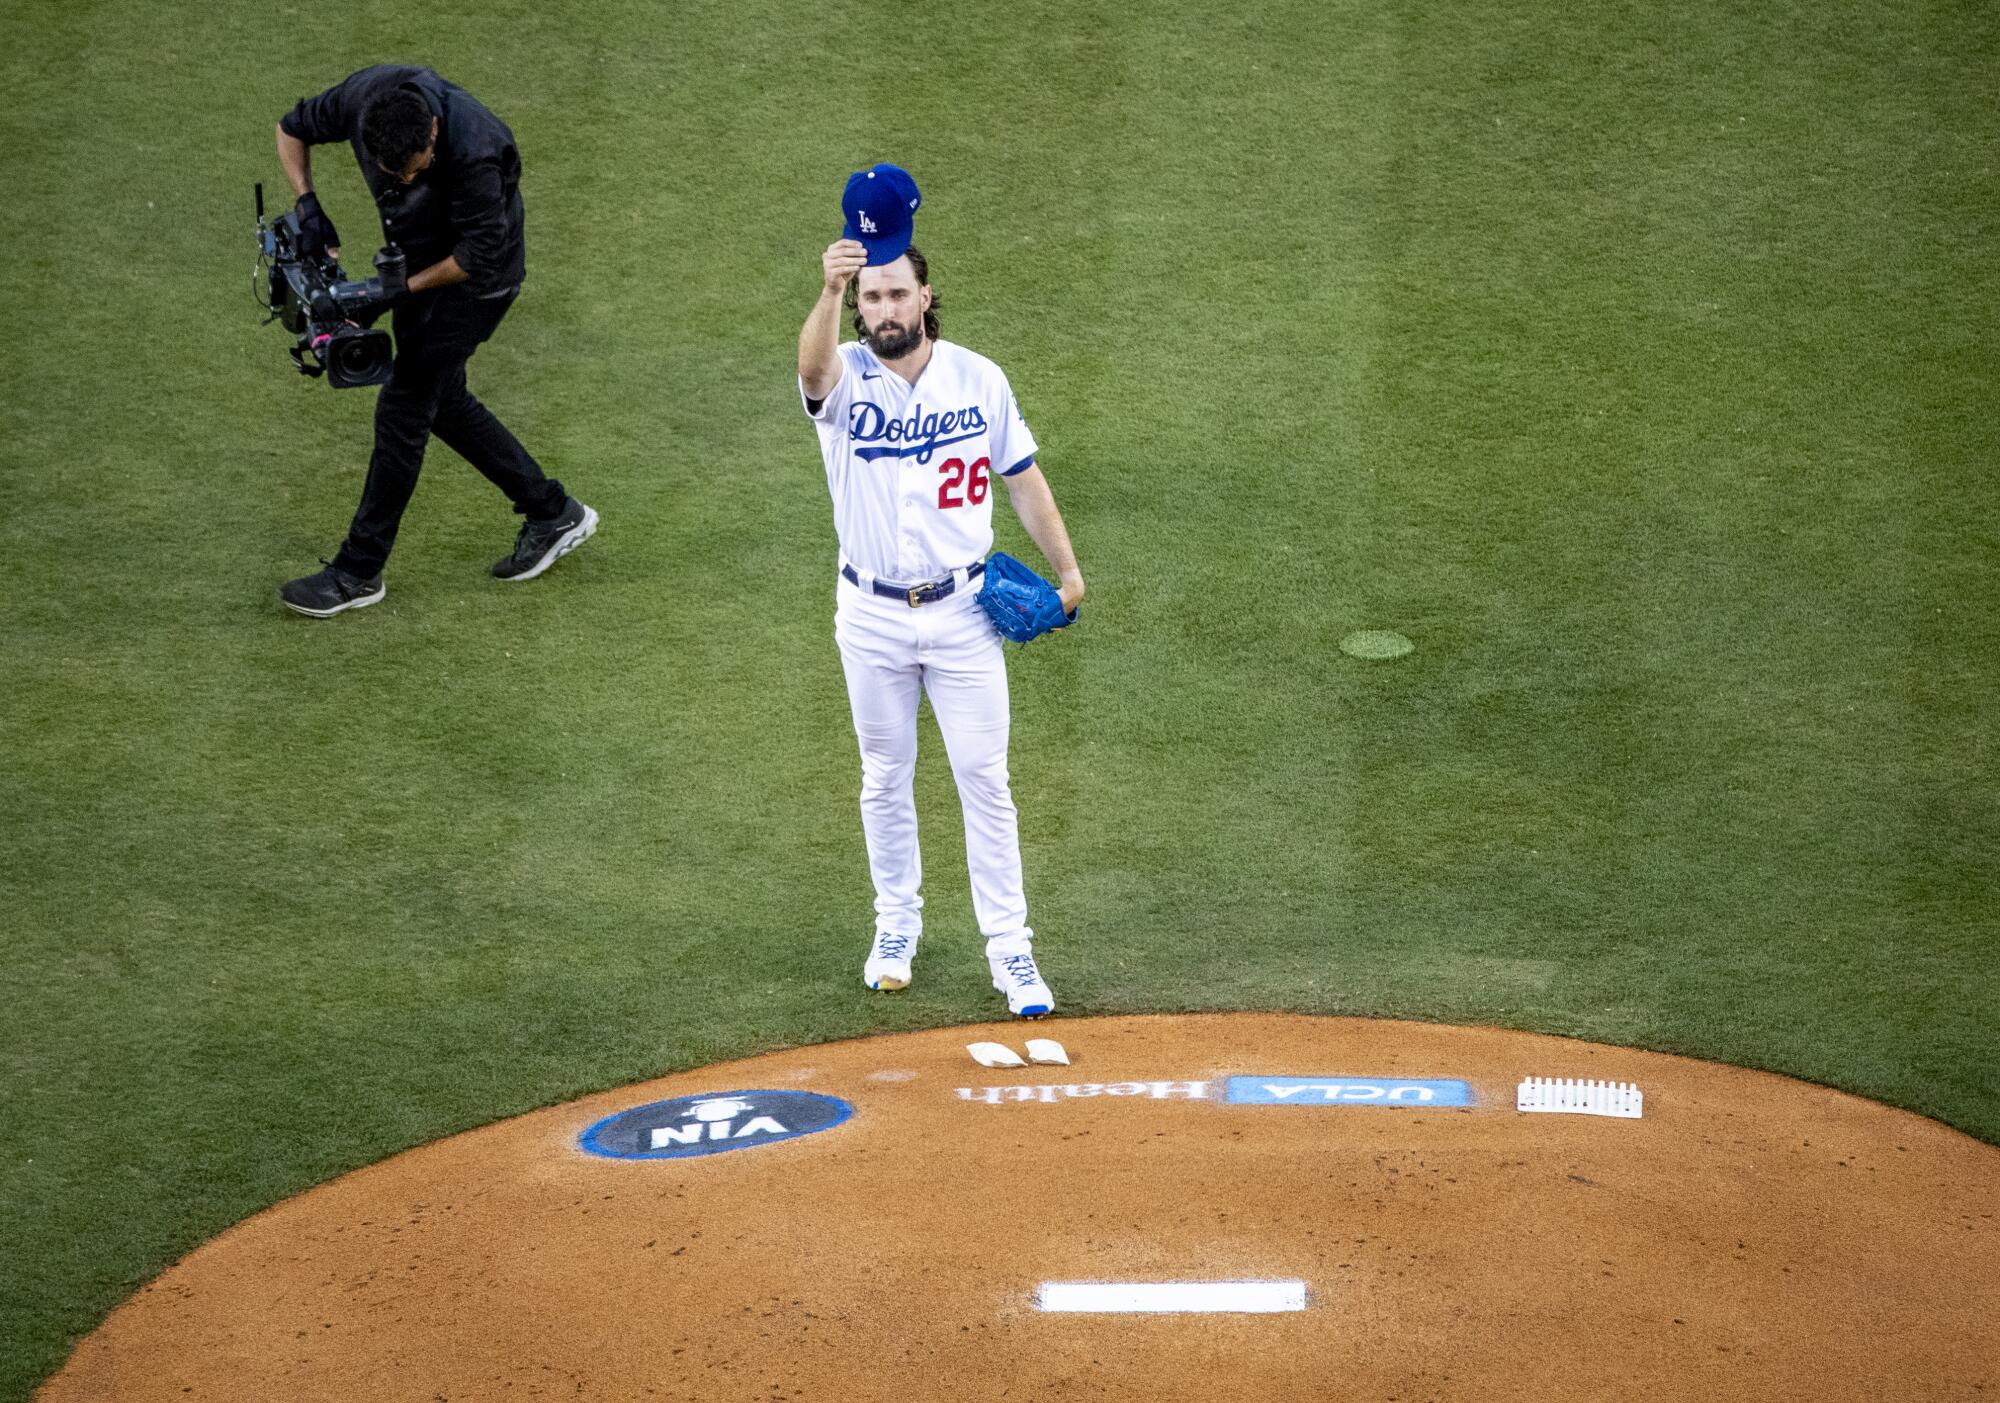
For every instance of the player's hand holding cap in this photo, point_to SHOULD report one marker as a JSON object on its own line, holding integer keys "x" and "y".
{"x": 880, "y": 204}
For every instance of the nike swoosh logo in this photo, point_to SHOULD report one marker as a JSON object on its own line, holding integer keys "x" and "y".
{"x": 871, "y": 375}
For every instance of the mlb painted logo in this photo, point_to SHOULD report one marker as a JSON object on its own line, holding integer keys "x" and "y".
{"x": 688, "y": 1126}
{"x": 1345, "y": 1091}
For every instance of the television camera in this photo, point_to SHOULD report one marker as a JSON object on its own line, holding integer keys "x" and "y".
{"x": 333, "y": 316}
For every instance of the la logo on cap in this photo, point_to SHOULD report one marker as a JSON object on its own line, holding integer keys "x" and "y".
{"x": 879, "y": 204}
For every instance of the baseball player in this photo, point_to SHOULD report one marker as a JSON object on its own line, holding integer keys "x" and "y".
{"x": 914, "y": 431}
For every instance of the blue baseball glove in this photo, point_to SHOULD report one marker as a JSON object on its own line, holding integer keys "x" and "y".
{"x": 1022, "y": 605}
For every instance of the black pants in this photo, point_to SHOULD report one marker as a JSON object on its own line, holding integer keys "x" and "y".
{"x": 436, "y": 334}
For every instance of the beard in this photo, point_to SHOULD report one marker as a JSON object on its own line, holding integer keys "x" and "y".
{"x": 892, "y": 339}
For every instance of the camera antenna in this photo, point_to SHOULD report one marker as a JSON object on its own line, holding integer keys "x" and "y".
{"x": 260, "y": 271}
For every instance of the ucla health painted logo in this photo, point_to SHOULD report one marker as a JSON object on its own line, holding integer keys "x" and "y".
{"x": 1345, "y": 1091}
{"x": 915, "y": 435}
{"x": 708, "y": 1125}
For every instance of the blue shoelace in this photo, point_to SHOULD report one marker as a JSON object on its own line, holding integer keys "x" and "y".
{"x": 892, "y": 947}
{"x": 1021, "y": 969}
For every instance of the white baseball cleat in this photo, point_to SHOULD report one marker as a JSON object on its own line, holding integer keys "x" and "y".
{"x": 1028, "y": 996}
{"x": 888, "y": 966}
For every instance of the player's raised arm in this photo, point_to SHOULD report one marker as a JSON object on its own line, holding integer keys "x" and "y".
{"x": 819, "y": 341}
{"x": 1035, "y": 504}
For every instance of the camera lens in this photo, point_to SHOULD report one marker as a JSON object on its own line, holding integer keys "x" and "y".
{"x": 358, "y": 358}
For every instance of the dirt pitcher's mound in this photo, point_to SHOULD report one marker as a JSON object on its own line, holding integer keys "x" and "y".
{"x": 1239, "y": 1206}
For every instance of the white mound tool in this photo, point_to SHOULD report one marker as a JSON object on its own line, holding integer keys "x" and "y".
{"x": 994, "y": 1055}
{"x": 1048, "y": 1052}
{"x": 1570, "y": 1096}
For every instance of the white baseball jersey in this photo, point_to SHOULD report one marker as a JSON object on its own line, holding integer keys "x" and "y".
{"x": 910, "y": 467}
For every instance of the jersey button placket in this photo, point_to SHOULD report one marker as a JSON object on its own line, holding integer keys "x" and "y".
{"x": 910, "y": 519}
{"x": 912, "y": 547}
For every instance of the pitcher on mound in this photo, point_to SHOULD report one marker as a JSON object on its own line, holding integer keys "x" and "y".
{"x": 914, "y": 430}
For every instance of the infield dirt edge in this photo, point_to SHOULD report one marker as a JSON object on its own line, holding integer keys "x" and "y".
{"x": 1752, "y": 1236}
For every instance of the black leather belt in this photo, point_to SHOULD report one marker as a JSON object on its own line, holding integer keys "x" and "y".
{"x": 914, "y": 595}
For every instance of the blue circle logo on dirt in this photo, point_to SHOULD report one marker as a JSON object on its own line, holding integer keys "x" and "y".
{"x": 713, "y": 1123}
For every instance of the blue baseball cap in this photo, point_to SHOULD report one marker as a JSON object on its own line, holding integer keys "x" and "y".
{"x": 880, "y": 204}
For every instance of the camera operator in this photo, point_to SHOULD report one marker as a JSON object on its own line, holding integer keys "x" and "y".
{"x": 446, "y": 176}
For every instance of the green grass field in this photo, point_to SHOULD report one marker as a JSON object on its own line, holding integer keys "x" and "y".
{"x": 1636, "y": 361}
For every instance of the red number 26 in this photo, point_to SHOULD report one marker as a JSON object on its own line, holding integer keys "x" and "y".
{"x": 956, "y": 475}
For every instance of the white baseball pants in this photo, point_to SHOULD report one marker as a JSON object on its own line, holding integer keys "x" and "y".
{"x": 950, "y": 650}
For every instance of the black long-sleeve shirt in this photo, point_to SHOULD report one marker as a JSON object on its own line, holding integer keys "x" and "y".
{"x": 467, "y": 204}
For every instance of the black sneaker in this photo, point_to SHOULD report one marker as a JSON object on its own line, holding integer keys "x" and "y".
{"x": 331, "y": 590}
{"x": 542, "y": 543}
